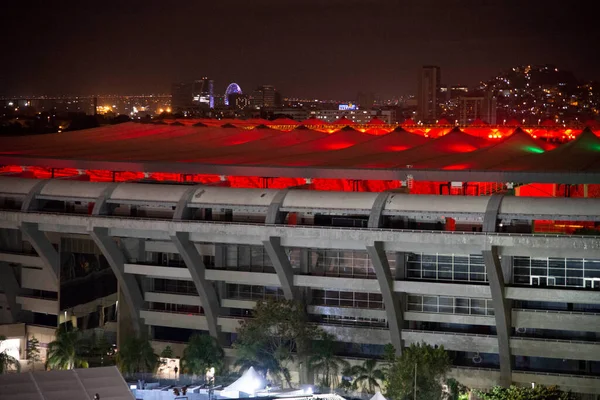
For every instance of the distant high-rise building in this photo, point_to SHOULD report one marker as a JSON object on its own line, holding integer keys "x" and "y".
{"x": 265, "y": 96}
{"x": 191, "y": 97}
{"x": 428, "y": 91}
{"x": 365, "y": 100}
{"x": 481, "y": 107}
{"x": 457, "y": 91}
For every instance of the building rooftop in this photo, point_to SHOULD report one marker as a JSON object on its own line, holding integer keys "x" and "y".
{"x": 272, "y": 149}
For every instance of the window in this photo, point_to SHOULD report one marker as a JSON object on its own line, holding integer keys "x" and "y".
{"x": 448, "y": 267}
{"x": 253, "y": 292}
{"x": 340, "y": 298}
{"x": 449, "y": 305}
{"x": 570, "y": 272}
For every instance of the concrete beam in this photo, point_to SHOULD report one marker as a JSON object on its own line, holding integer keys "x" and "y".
{"x": 502, "y": 306}
{"x": 319, "y": 237}
{"x": 128, "y": 284}
{"x": 45, "y": 250}
{"x": 194, "y": 263}
{"x": 386, "y": 283}
{"x": 282, "y": 266}
{"x": 11, "y": 288}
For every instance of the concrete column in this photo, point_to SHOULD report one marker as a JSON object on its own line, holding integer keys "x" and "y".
{"x": 282, "y": 266}
{"x": 11, "y": 288}
{"x": 43, "y": 247}
{"x": 208, "y": 296}
{"x": 502, "y": 308}
{"x": 101, "y": 206}
{"x": 502, "y": 313}
{"x": 507, "y": 268}
{"x": 128, "y": 285}
{"x": 400, "y": 266}
{"x": 274, "y": 215}
{"x": 376, "y": 215}
{"x": 220, "y": 256}
{"x": 386, "y": 283}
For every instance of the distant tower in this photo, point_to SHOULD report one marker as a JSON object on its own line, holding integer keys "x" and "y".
{"x": 191, "y": 97}
{"x": 427, "y": 95}
{"x": 95, "y": 105}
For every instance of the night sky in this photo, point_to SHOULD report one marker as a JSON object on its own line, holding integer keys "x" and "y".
{"x": 310, "y": 48}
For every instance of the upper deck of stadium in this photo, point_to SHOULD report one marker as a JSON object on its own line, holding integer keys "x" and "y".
{"x": 287, "y": 152}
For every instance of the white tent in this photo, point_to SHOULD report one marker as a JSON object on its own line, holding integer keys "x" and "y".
{"x": 248, "y": 383}
{"x": 378, "y": 396}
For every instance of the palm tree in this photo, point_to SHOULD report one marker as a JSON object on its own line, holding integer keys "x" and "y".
{"x": 66, "y": 351}
{"x": 7, "y": 362}
{"x": 325, "y": 362}
{"x": 137, "y": 355}
{"x": 367, "y": 376}
{"x": 202, "y": 353}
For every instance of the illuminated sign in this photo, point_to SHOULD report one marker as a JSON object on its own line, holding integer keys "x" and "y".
{"x": 349, "y": 106}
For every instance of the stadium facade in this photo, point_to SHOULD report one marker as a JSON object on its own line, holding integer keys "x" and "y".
{"x": 513, "y": 301}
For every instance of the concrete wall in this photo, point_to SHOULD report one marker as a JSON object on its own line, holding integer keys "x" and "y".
{"x": 36, "y": 304}
{"x": 174, "y": 320}
{"x": 23, "y": 259}
{"x": 38, "y": 279}
{"x": 560, "y": 320}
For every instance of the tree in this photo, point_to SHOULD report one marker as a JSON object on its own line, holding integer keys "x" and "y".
{"x": 167, "y": 352}
{"x": 7, "y": 362}
{"x": 278, "y": 332}
{"x": 325, "y": 362}
{"x": 32, "y": 354}
{"x": 456, "y": 390}
{"x": 66, "y": 352}
{"x": 137, "y": 355}
{"x": 432, "y": 365}
{"x": 367, "y": 376}
{"x": 202, "y": 353}
{"x": 539, "y": 392}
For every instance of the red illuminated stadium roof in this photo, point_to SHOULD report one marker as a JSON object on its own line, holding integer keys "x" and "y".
{"x": 251, "y": 149}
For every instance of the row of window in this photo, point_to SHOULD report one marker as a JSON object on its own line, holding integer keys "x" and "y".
{"x": 176, "y": 308}
{"x": 248, "y": 258}
{"x": 449, "y": 267}
{"x": 340, "y": 298}
{"x": 174, "y": 286}
{"x": 573, "y": 272}
{"x": 449, "y": 305}
{"x": 253, "y": 292}
{"x": 349, "y": 321}
{"x": 443, "y": 267}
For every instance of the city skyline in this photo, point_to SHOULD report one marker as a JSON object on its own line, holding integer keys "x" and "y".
{"x": 306, "y": 49}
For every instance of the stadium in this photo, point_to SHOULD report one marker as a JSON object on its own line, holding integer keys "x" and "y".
{"x": 482, "y": 239}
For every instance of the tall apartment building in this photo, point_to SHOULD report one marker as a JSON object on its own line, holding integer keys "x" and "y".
{"x": 481, "y": 107}
{"x": 192, "y": 97}
{"x": 265, "y": 96}
{"x": 428, "y": 93}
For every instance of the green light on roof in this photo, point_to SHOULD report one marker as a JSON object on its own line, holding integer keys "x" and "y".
{"x": 533, "y": 149}
{"x": 595, "y": 147}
